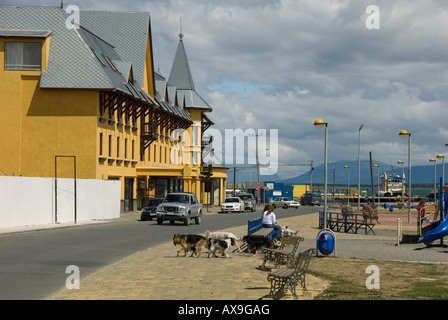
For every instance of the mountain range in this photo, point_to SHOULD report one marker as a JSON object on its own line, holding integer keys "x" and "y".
{"x": 338, "y": 174}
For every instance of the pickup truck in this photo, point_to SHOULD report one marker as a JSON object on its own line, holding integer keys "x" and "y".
{"x": 284, "y": 202}
{"x": 179, "y": 206}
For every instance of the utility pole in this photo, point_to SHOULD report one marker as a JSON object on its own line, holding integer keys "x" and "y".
{"x": 311, "y": 175}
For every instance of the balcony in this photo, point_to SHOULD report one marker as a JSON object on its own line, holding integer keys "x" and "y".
{"x": 148, "y": 133}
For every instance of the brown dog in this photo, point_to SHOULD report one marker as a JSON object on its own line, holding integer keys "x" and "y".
{"x": 189, "y": 242}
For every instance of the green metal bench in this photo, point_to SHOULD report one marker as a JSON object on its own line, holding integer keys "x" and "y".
{"x": 280, "y": 256}
{"x": 285, "y": 279}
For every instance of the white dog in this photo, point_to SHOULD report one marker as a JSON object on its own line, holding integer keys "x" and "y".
{"x": 223, "y": 246}
{"x": 288, "y": 232}
{"x": 223, "y": 236}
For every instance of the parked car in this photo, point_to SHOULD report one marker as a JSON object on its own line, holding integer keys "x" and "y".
{"x": 149, "y": 210}
{"x": 179, "y": 206}
{"x": 232, "y": 204}
{"x": 311, "y": 199}
{"x": 249, "y": 201}
{"x": 294, "y": 204}
{"x": 283, "y": 202}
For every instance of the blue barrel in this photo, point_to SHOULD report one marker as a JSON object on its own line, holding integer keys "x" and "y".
{"x": 325, "y": 243}
{"x": 385, "y": 206}
{"x": 391, "y": 208}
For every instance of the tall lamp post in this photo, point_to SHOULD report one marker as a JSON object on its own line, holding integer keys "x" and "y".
{"x": 403, "y": 134}
{"x": 439, "y": 156}
{"x": 359, "y": 166}
{"x": 402, "y": 179}
{"x": 435, "y": 179}
{"x": 348, "y": 184}
{"x": 319, "y": 124}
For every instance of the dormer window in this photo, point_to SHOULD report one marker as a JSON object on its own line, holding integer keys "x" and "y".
{"x": 23, "y": 56}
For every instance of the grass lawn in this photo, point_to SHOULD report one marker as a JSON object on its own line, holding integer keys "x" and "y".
{"x": 397, "y": 280}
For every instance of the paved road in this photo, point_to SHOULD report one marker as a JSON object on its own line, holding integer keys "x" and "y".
{"x": 33, "y": 264}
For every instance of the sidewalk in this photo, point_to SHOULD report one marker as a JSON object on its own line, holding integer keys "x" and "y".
{"x": 158, "y": 274}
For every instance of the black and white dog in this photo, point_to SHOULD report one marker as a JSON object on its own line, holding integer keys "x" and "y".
{"x": 223, "y": 236}
{"x": 218, "y": 245}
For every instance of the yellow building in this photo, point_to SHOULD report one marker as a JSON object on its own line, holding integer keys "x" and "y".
{"x": 85, "y": 99}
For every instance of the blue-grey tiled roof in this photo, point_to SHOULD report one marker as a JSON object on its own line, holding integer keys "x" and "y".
{"x": 70, "y": 63}
{"x": 180, "y": 82}
{"x": 101, "y": 54}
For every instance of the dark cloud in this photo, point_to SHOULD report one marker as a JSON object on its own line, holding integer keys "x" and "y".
{"x": 312, "y": 59}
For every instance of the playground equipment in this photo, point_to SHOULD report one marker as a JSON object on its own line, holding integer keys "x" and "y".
{"x": 326, "y": 242}
{"x": 441, "y": 230}
{"x": 437, "y": 233}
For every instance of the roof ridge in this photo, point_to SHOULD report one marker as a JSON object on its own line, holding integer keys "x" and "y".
{"x": 90, "y": 51}
{"x": 97, "y": 36}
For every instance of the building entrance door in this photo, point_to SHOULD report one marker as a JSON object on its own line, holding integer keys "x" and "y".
{"x": 128, "y": 194}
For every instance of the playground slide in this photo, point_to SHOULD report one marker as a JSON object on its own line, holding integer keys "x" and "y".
{"x": 439, "y": 232}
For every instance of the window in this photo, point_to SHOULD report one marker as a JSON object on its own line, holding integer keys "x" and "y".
{"x": 195, "y": 136}
{"x": 118, "y": 147}
{"x": 23, "y": 56}
{"x": 133, "y": 145}
{"x": 110, "y": 145}
{"x": 125, "y": 148}
{"x": 101, "y": 143}
{"x": 160, "y": 154}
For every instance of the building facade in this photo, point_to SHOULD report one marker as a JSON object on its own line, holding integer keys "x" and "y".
{"x": 85, "y": 101}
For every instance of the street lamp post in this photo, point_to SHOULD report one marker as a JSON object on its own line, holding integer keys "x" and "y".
{"x": 435, "y": 179}
{"x": 359, "y": 166}
{"x": 378, "y": 182}
{"x": 319, "y": 124}
{"x": 402, "y": 180}
{"x": 439, "y": 156}
{"x": 442, "y": 187}
{"x": 403, "y": 134}
{"x": 348, "y": 184}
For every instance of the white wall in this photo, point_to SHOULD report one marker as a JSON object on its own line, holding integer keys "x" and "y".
{"x": 31, "y": 201}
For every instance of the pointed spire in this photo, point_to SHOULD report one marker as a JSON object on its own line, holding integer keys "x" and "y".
{"x": 181, "y": 35}
{"x": 180, "y": 76}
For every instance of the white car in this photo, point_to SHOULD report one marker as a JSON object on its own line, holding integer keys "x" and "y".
{"x": 294, "y": 204}
{"x": 284, "y": 202}
{"x": 233, "y": 204}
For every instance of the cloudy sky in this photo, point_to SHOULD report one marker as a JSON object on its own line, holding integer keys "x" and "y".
{"x": 281, "y": 64}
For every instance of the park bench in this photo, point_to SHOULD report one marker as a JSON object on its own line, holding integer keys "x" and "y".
{"x": 281, "y": 256}
{"x": 343, "y": 222}
{"x": 255, "y": 229}
{"x": 358, "y": 221}
{"x": 289, "y": 278}
{"x": 371, "y": 212}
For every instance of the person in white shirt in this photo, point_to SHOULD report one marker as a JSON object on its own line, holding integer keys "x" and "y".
{"x": 269, "y": 221}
